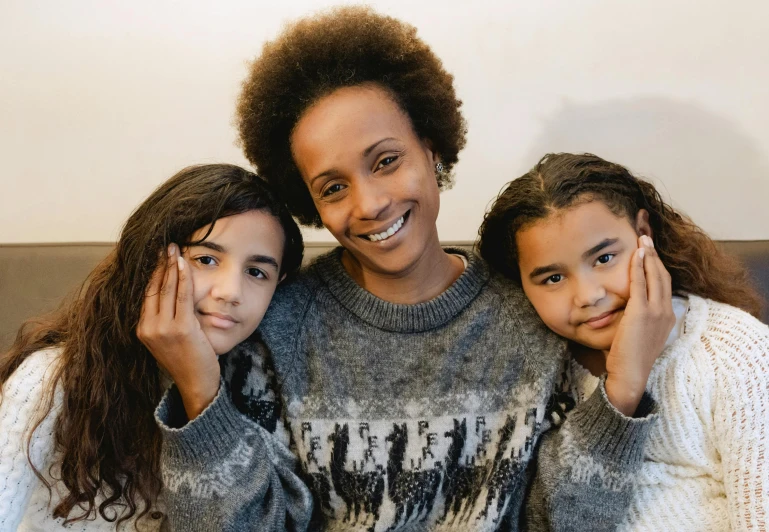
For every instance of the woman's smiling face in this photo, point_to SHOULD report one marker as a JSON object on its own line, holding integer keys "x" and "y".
{"x": 371, "y": 177}
{"x": 575, "y": 270}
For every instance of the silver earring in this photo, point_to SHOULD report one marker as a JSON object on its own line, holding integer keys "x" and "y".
{"x": 439, "y": 167}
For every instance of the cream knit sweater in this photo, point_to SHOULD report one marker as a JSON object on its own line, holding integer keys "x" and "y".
{"x": 25, "y": 504}
{"x": 705, "y": 461}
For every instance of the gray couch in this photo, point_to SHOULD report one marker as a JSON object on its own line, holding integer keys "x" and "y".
{"x": 35, "y": 277}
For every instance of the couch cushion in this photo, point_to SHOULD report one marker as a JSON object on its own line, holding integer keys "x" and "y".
{"x": 35, "y": 277}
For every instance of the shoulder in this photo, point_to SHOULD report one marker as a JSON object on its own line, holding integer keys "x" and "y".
{"x": 34, "y": 373}
{"x": 734, "y": 340}
{"x": 508, "y": 298}
{"x": 292, "y": 299}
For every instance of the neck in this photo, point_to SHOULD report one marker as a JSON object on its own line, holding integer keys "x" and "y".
{"x": 427, "y": 278}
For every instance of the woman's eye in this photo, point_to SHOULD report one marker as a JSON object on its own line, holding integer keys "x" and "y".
{"x": 332, "y": 189}
{"x": 256, "y": 273}
{"x": 387, "y": 161}
{"x": 554, "y": 279}
{"x": 205, "y": 260}
{"x": 606, "y": 257}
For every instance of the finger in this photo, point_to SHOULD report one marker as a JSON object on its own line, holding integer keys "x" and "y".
{"x": 184, "y": 307}
{"x": 167, "y": 306}
{"x": 152, "y": 294}
{"x": 638, "y": 277}
{"x": 655, "y": 274}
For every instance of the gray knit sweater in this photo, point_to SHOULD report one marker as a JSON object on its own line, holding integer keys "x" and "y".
{"x": 346, "y": 412}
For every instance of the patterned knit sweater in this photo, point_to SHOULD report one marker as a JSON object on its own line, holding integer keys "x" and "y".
{"x": 705, "y": 465}
{"x": 399, "y": 417}
{"x": 25, "y": 502}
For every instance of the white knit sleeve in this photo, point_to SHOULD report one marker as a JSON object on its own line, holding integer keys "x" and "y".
{"x": 739, "y": 349}
{"x": 19, "y": 410}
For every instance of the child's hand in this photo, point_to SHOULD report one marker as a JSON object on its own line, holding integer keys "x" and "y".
{"x": 645, "y": 326}
{"x": 172, "y": 333}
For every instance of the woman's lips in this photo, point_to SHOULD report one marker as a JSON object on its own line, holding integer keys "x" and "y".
{"x": 602, "y": 320}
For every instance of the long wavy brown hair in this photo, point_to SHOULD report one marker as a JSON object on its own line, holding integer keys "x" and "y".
{"x": 559, "y": 181}
{"x": 110, "y": 383}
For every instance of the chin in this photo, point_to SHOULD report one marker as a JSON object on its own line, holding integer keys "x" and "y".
{"x": 219, "y": 344}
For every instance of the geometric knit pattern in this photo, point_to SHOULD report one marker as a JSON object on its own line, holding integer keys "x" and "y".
{"x": 705, "y": 465}
{"x": 25, "y": 502}
{"x": 396, "y": 417}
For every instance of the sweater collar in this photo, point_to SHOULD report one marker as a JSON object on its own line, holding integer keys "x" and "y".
{"x": 400, "y": 317}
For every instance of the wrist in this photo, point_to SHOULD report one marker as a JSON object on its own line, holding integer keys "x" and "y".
{"x": 625, "y": 397}
{"x": 196, "y": 397}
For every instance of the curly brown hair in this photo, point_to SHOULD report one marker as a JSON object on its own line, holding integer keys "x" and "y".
{"x": 564, "y": 180}
{"x": 110, "y": 382}
{"x": 343, "y": 47}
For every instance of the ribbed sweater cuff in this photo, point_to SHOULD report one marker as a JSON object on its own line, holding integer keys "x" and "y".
{"x": 608, "y": 433}
{"x": 210, "y": 436}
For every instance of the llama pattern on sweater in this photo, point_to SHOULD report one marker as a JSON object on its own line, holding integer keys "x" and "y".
{"x": 452, "y": 471}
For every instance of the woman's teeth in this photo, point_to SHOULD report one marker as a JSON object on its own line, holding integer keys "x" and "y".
{"x": 384, "y": 235}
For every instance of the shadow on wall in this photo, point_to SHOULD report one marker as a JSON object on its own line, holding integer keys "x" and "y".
{"x": 704, "y": 163}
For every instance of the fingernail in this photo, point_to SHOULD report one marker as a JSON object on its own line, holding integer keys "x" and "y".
{"x": 171, "y": 250}
{"x": 180, "y": 263}
{"x": 641, "y": 253}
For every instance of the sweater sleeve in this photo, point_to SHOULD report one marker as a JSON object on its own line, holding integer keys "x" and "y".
{"x": 739, "y": 351}
{"x": 585, "y": 467}
{"x": 22, "y": 396}
{"x": 231, "y": 470}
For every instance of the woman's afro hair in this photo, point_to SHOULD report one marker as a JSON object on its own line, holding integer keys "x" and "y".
{"x": 344, "y": 47}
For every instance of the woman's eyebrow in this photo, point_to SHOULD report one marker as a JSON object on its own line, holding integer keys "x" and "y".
{"x": 605, "y": 243}
{"x": 371, "y": 148}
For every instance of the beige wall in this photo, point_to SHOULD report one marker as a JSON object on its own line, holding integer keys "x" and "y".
{"x": 100, "y": 101}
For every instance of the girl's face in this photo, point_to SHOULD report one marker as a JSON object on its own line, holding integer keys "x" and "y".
{"x": 575, "y": 270}
{"x": 371, "y": 178}
{"x": 235, "y": 271}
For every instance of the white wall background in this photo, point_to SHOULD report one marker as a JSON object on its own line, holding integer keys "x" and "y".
{"x": 101, "y": 101}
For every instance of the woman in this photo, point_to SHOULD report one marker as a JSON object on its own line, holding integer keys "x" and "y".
{"x": 413, "y": 382}
{"x": 79, "y": 448}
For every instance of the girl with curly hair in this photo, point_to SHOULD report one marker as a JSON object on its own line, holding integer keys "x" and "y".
{"x": 567, "y": 233}
{"x": 79, "y": 446}
{"x": 412, "y": 382}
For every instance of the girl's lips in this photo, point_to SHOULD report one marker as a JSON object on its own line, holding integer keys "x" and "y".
{"x": 602, "y": 320}
{"x": 220, "y": 321}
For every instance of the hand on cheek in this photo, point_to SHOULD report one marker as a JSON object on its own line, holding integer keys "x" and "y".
{"x": 645, "y": 326}
{"x": 171, "y": 332}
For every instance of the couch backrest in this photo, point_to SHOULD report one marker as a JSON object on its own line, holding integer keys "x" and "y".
{"x": 35, "y": 277}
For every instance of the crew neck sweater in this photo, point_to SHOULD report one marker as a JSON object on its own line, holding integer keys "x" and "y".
{"x": 25, "y": 502}
{"x": 385, "y": 416}
{"x": 705, "y": 465}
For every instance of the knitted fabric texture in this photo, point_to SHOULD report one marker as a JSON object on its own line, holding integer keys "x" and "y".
{"x": 397, "y": 417}
{"x": 705, "y": 463}
{"x": 25, "y": 503}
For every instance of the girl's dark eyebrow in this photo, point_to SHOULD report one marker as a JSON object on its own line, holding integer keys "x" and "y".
{"x": 603, "y": 244}
{"x": 261, "y": 259}
{"x": 536, "y": 272}
{"x": 540, "y": 270}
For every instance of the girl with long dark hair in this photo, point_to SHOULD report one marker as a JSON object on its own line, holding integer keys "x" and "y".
{"x": 79, "y": 446}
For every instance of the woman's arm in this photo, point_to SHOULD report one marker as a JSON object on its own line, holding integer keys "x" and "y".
{"x": 586, "y": 468}
{"x": 221, "y": 470}
{"x": 22, "y": 398}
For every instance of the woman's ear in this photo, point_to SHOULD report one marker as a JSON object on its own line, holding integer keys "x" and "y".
{"x": 642, "y": 226}
{"x": 281, "y": 278}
